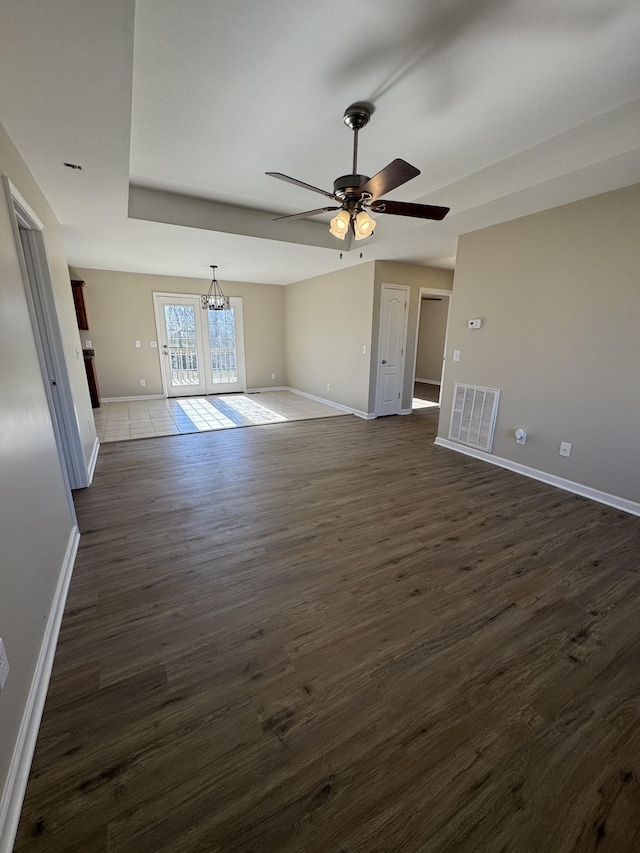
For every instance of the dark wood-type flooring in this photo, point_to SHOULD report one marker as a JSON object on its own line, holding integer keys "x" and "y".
{"x": 426, "y": 391}
{"x": 331, "y": 636}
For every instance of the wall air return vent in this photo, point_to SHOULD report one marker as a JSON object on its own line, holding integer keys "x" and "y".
{"x": 473, "y": 416}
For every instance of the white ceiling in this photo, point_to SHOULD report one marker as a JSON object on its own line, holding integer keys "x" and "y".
{"x": 506, "y": 106}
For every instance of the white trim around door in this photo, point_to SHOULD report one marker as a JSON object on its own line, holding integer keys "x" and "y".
{"x": 30, "y": 243}
{"x": 431, "y": 291}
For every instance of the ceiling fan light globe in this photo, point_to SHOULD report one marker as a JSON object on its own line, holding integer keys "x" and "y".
{"x": 340, "y": 224}
{"x": 364, "y": 225}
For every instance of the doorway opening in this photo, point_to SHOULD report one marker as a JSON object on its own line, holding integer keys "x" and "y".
{"x": 29, "y": 235}
{"x": 431, "y": 346}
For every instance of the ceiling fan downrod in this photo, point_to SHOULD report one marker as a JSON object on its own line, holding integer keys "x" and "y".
{"x": 356, "y": 117}
{"x": 347, "y": 187}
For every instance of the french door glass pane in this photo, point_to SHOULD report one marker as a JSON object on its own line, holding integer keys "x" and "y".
{"x": 222, "y": 338}
{"x": 180, "y": 321}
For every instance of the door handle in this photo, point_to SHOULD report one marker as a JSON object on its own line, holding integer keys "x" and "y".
{"x": 384, "y": 360}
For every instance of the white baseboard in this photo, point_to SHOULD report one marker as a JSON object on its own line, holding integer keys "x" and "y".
{"x": 406, "y": 411}
{"x": 162, "y": 397}
{"x": 92, "y": 462}
{"x": 132, "y": 399}
{"x": 427, "y": 381}
{"x": 16, "y": 783}
{"x": 335, "y": 405}
{"x": 632, "y": 507}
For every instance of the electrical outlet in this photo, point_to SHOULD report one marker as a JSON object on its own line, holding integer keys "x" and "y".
{"x": 153, "y": 344}
{"x": 143, "y": 382}
{"x": 364, "y": 350}
{"x": 328, "y": 386}
{"x": 521, "y": 436}
{"x": 4, "y": 665}
{"x": 565, "y": 448}
{"x": 273, "y": 376}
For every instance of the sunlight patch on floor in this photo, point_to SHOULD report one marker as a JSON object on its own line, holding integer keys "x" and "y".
{"x": 256, "y": 413}
{"x": 423, "y": 404}
{"x": 203, "y": 415}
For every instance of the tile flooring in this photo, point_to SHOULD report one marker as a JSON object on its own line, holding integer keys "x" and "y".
{"x": 177, "y": 415}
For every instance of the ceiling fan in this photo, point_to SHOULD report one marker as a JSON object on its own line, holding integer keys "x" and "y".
{"x": 356, "y": 193}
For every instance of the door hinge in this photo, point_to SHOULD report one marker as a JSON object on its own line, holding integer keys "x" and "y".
{"x": 398, "y": 395}
{"x": 402, "y": 351}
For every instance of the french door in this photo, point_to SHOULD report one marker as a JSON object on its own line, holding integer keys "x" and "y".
{"x": 201, "y": 352}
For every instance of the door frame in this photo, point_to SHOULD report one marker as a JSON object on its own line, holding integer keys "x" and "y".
{"x": 48, "y": 339}
{"x": 407, "y": 292}
{"x": 432, "y": 291}
{"x": 204, "y": 340}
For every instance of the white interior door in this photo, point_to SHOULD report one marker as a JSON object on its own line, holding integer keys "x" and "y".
{"x": 201, "y": 352}
{"x": 391, "y": 349}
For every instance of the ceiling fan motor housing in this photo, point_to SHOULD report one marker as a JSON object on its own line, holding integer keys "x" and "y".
{"x": 347, "y": 186}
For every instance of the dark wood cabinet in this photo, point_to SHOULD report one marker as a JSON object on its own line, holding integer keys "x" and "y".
{"x": 83, "y": 325}
{"x": 78, "y": 301}
{"x": 92, "y": 378}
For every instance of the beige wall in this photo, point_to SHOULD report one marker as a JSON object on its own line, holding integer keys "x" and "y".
{"x": 327, "y": 323}
{"x": 559, "y": 296}
{"x": 329, "y": 319}
{"x": 35, "y": 519}
{"x": 431, "y": 336}
{"x": 120, "y": 310}
{"x": 415, "y": 277}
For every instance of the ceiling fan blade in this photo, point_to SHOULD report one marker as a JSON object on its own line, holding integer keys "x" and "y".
{"x": 398, "y": 172}
{"x": 298, "y": 183}
{"x": 306, "y": 213}
{"x": 403, "y": 208}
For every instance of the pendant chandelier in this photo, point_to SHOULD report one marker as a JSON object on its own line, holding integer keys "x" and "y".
{"x": 215, "y": 300}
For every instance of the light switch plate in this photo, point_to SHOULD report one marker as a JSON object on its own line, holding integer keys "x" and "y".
{"x": 456, "y": 355}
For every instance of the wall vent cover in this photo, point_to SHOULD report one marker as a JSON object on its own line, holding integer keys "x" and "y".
{"x": 473, "y": 416}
